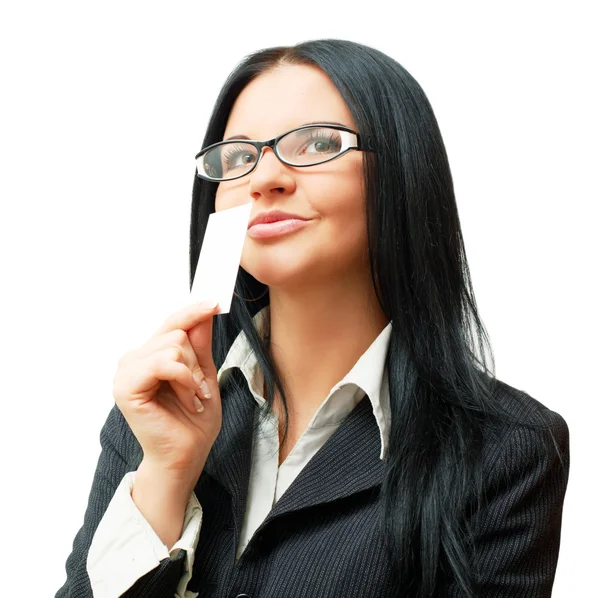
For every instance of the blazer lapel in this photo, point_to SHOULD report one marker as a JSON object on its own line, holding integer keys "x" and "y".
{"x": 229, "y": 460}
{"x": 347, "y": 463}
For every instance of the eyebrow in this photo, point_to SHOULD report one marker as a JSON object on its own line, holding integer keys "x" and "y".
{"x": 316, "y": 122}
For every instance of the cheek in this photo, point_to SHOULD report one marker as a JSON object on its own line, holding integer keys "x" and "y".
{"x": 341, "y": 201}
{"x": 341, "y": 234}
{"x": 220, "y": 203}
{"x": 226, "y": 198}
{"x": 346, "y": 216}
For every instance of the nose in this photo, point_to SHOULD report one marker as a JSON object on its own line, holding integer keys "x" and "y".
{"x": 271, "y": 176}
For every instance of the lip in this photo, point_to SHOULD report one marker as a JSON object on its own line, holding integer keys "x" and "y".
{"x": 277, "y": 228}
{"x": 273, "y": 216}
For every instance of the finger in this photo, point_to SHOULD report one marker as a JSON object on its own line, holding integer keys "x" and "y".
{"x": 170, "y": 400}
{"x": 189, "y": 399}
{"x": 137, "y": 385}
{"x": 200, "y": 339}
{"x": 179, "y": 339}
{"x": 184, "y": 384}
{"x": 187, "y": 317}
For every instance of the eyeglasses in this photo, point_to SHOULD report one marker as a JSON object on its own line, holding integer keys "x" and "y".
{"x": 304, "y": 146}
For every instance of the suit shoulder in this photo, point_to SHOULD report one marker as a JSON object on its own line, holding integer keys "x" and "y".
{"x": 526, "y": 410}
{"x": 530, "y": 428}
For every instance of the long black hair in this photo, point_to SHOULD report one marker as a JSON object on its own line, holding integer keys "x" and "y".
{"x": 440, "y": 363}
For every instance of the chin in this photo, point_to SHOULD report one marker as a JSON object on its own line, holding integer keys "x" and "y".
{"x": 280, "y": 275}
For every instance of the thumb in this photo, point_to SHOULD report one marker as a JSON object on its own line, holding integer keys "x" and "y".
{"x": 200, "y": 336}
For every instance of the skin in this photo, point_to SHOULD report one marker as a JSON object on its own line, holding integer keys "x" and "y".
{"x": 324, "y": 313}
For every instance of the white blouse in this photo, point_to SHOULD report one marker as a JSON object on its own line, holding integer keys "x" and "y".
{"x": 125, "y": 547}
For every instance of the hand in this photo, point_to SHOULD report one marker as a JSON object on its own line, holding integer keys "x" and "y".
{"x": 156, "y": 387}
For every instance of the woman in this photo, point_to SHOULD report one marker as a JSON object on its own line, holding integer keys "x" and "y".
{"x": 356, "y": 441}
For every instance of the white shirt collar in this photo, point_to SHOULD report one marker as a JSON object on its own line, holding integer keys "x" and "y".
{"x": 368, "y": 376}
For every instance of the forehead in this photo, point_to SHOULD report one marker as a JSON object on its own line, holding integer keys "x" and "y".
{"x": 285, "y": 98}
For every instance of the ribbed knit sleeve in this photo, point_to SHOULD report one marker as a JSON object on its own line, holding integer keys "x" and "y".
{"x": 118, "y": 450}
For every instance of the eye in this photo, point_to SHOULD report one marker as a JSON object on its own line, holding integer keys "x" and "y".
{"x": 321, "y": 144}
{"x": 238, "y": 158}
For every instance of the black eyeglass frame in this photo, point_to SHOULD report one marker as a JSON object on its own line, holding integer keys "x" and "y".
{"x": 272, "y": 143}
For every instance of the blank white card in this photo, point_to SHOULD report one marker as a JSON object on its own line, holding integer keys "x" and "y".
{"x": 220, "y": 256}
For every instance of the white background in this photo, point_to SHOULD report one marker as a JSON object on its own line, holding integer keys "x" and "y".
{"x": 104, "y": 106}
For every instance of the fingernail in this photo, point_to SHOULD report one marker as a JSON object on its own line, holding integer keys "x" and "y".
{"x": 198, "y": 404}
{"x": 205, "y": 390}
{"x": 208, "y": 304}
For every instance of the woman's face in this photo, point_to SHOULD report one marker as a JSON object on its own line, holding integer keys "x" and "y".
{"x": 332, "y": 246}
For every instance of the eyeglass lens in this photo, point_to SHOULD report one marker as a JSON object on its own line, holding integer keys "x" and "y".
{"x": 300, "y": 148}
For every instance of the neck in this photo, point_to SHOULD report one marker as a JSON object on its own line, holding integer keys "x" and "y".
{"x": 318, "y": 333}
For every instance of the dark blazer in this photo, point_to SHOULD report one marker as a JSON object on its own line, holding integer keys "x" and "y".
{"x": 320, "y": 538}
